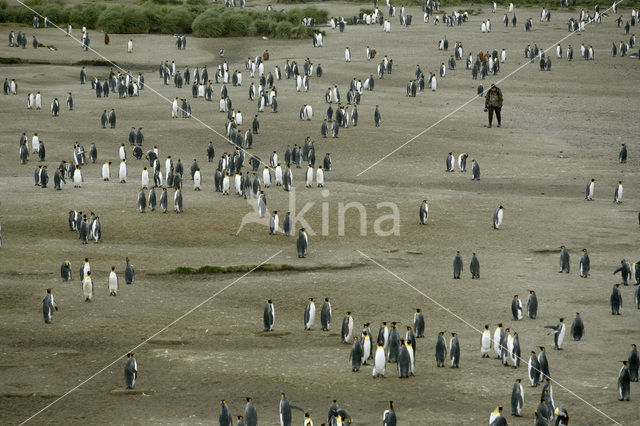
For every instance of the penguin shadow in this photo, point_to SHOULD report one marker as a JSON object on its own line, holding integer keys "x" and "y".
{"x": 130, "y": 392}
{"x": 272, "y": 333}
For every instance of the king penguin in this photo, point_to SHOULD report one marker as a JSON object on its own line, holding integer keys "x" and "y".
{"x": 309, "y": 314}
{"x": 497, "y": 217}
{"x": 87, "y": 287}
{"x": 454, "y": 351}
{"x": 325, "y": 315}
{"x": 517, "y": 398}
{"x": 225, "y": 417}
{"x": 624, "y": 382}
{"x": 418, "y": 323}
{"x": 585, "y": 264}
{"x": 457, "y": 266}
{"x": 424, "y": 212}
{"x": 441, "y": 350}
{"x": 516, "y": 308}
{"x": 113, "y": 282}
{"x": 532, "y": 305}
{"x": 474, "y": 267}
{"x": 65, "y": 271}
{"x": 577, "y": 328}
{"x": 302, "y": 243}
{"x": 564, "y": 259}
{"x": 48, "y": 306}
{"x": 269, "y": 316}
{"x": 130, "y": 371}
{"x": 347, "y": 328}
{"x": 250, "y": 413}
{"x": 129, "y": 272}
{"x": 485, "y": 342}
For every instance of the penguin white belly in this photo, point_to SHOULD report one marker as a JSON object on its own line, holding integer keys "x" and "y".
{"x": 496, "y": 341}
{"x": 561, "y": 335}
{"x": 113, "y": 283}
{"x": 87, "y": 288}
{"x": 486, "y": 343}
{"x": 379, "y": 362}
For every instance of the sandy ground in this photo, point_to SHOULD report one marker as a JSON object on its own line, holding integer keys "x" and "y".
{"x": 560, "y": 129}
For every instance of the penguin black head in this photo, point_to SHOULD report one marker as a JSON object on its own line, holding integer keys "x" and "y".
{"x": 248, "y": 398}
{"x": 49, "y": 291}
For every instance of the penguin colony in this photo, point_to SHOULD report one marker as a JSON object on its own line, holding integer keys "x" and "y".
{"x": 388, "y": 352}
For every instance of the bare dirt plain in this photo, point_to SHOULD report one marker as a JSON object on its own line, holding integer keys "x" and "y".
{"x": 560, "y": 129}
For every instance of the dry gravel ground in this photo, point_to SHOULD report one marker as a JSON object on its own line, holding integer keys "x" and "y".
{"x": 560, "y": 129}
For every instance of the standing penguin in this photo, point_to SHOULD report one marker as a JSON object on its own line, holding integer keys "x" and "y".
{"x": 325, "y": 315}
{"x": 441, "y": 350}
{"x": 532, "y": 305}
{"x": 302, "y": 243}
{"x": 130, "y": 371}
{"x": 269, "y": 316}
{"x": 496, "y": 419}
{"x": 389, "y": 416}
{"x": 449, "y": 162}
{"x": 474, "y": 267}
{"x": 534, "y": 370}
{"x": 475, "y": 170}
{"x": 497, "y": 217}
{"x": 65, "y": 271}
{"x": 113, "y": 282}
{"x": 380, "y": 362}
{"x": 225, "y": 417}
{"x": 559, "y": 332}
{"x": 634, "y": 363}
{"x": 617, "y": 196}
{"x": 404, "y": 361}
{"x": 577, "y": 328}
{"x": 516, "y": 308}
{"x": 48, "y": 305}
{"x": 585, "y": 264}
{"x": 250, "y": 413}
{"x": 544, "y": 364}
{"x": 418, "y": 323}
{"x": 347, "y": 328}
{"x": 309, "y": 314}
{"x": 424, "y": 212}
{"x": 457, "y": 266}
{"x": 624, "y": 382}
{"x": 625, "y": 271}
{"x": 377, "y": 118}
{"x": 355, "y": 356}
{"x": 616, "y": 300}
{"x": 564, "y": 259}
{"x": 485, "y": 342}
{"x": 142, "y": 201}
{"x": 623, "y": 153}
{"x": 517, "y": 398}
{"x": 87, "y": 287}
{"x": 163, "y": 201}
{"x": 590, "y": 190}
{"x": 285, "y": 411}
{"x": 129, "y": 272}
{"x": 454, "y": 351}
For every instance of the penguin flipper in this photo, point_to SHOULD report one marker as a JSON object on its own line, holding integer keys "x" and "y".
{"x": 295, "y": 407}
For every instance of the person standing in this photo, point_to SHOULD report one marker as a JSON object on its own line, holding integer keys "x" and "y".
{"x": 493, "y": 102}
